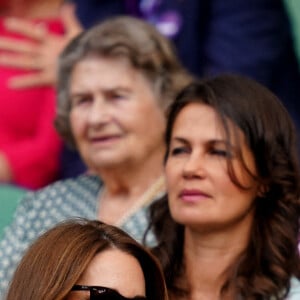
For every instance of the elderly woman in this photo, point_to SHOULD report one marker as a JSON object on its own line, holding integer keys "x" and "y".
{"x": 115, "y": 82}
{"x": 230, "y": 227}
{"x": 81, "y": 259}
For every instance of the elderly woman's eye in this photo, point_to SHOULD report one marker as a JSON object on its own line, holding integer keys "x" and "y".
{"x": 118, "y": 96}
{"x": 77, "y": 101}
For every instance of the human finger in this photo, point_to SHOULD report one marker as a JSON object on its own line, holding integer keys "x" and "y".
{"x": 71, "y": 23}
{"x": 31, "y": 80}
{"x": 14, "y": 45}
{"x": 35, "y": 31}
{"x": 23, "y": 62}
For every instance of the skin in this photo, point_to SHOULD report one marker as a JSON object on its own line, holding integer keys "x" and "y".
{"x": 197, "y": 162}
{"x": 113, "y": 269}
{"x": 113, "y": 116}
{"x": 34, "y": 8}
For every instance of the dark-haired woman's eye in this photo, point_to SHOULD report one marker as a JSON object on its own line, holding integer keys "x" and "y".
{"x": 178, "y": 150}
{"x": 221, "y": 153}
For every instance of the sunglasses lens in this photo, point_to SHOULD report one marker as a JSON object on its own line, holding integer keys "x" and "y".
{"x": 105, "y": 295}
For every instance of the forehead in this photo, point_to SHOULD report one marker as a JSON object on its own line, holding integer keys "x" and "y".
{"x": 106, "y": 71}
{"x": 113, "y": 268}
{"x": 200, "y": 124}
{"x": 198, "y": 119}
{"x": 201, "y": 121}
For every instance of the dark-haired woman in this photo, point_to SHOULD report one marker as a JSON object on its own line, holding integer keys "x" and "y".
{"x": 232, "y": 224}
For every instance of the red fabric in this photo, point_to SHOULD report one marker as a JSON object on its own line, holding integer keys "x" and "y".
{"x": 27, "y": 135}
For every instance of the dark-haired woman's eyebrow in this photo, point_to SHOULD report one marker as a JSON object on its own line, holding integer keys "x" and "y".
{"x": 221, "y": 142}
{"x": 226, "y": 145}
{"x": 180, "y": 140}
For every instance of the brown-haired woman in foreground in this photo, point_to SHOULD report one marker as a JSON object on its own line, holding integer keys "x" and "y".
{"x": 232, "y": 171}
{"x": 80, "y": 259}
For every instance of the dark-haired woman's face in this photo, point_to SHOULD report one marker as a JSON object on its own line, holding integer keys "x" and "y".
{"x": 201, "y": 192}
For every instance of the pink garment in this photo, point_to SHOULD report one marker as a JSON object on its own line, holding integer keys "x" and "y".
{"x": 27, "y": 135}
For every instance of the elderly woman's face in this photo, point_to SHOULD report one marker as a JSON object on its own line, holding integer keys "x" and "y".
{"x": 115, "y": 116}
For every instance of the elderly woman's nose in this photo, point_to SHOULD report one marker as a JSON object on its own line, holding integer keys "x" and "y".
{"x": 99, "y": 111}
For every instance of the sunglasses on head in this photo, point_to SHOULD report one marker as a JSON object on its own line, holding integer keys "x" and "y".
{"x": 103, "y": 293}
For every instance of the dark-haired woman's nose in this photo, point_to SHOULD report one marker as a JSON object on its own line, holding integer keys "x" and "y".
{"x": 194, "y": 166}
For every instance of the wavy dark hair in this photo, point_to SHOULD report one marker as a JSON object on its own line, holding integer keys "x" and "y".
{"x": 271, "y": 257}
{"x": 145, "y": 48}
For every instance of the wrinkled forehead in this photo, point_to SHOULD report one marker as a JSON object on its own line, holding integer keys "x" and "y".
{"x": 117, "y": 72}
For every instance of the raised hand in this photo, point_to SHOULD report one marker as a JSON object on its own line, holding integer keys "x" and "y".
{"x": 39, "y": 52}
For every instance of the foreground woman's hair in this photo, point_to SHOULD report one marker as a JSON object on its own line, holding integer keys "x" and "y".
{"x": 55, "y": 262}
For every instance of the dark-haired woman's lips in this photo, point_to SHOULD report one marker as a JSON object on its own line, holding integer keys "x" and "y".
{"x": 193, "y": 195}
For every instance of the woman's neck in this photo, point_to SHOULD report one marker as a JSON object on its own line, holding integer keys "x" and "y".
{"x": 117, "y": 209}
{"x": 130, "y": 187}
{"x": 132, "y": 179}
{"x": 208, "y": 258}
{"x": 127, "y": 189}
